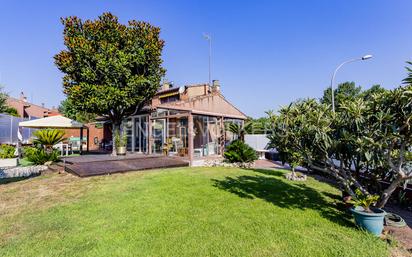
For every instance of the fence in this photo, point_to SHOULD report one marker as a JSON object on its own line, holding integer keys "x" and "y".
{"x": 8, "y": 129}
{"x": 258, "y": 142}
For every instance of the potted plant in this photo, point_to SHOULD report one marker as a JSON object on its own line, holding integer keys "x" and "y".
{"x": 367, "y": 217}
{"x": 7, "y": 156}
{"x": 120, "y": 142}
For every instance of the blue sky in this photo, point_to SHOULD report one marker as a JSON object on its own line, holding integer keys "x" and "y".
{"x": 265, "y": 53}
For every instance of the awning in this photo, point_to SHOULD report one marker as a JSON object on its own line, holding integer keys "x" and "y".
{"x": 169, "y": 94}
{"x": 52, "y": 122}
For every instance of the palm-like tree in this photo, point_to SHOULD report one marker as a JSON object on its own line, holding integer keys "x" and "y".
{"x": 408, "y": 79}
{"x": 48, "y": 137}
{"x": 240, "y": 130}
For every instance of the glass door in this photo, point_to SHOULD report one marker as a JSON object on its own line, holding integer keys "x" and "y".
{"x": 128, "y": 129}
{"x": 159, "y": 135}
{"x": 140, "y": 134}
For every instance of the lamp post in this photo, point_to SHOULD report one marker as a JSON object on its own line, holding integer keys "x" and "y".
{"x": 208, "y": 37}
{"x": 363, "y": 58}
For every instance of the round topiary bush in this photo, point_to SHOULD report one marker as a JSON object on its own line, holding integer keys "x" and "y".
{"x": 239, "y": 152}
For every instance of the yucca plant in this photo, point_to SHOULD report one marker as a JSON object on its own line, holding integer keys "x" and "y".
{"x": 47, "y": 138}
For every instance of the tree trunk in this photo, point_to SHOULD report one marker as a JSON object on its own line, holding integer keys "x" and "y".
{"x": 343, "y": 182}
{"x": 242, "y": 136}
{"x": 293, "y": 173}
{"x": 388, "y": 192}
{"x": 115, "y": 127}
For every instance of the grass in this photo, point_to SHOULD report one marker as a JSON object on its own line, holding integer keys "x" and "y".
{"x": 178, "y": 212}
{"x": 24, "y": 162}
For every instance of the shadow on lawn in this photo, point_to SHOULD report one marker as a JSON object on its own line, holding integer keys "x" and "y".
{"x": 292, "y": 195}
{"x": 4, "y": 181}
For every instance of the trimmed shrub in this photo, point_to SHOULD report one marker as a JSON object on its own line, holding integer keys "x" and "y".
{"x": 7, "y": 151}
{"x": 40, "y": 156}
{"x": 238, "y": 151}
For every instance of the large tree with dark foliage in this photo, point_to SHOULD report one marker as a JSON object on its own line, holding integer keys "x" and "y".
{"x": 110, "y": 69}
{"x": 68, "y": 109}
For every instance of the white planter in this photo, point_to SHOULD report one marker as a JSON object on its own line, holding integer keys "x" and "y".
{"x": 121, "y": 150}
{"x": 8, "y": 162}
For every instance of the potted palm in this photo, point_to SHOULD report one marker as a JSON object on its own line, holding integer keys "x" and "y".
{"x": 367, "y": 217}
{"x": 120, "y": 142}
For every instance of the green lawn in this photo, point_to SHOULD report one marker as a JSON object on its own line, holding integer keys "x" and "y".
{"x": 24, "y": 162}
{"x": 178, "y": 212}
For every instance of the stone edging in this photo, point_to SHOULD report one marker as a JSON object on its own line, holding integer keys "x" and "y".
{"x": 16, "y": 172}
{"x": 221, "y": 163}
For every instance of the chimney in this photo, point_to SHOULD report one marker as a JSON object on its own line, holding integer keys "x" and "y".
{"x": 167, "y": 85}
{"x": 216, "y": 86}
{"x": 42, "y": 105}
{"x": 23, "y": 97}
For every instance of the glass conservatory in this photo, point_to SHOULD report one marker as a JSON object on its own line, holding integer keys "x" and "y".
{"x": 177, "y": 133}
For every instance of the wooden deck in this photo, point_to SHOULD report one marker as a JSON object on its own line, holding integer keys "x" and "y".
{"x": 95, "y": 165}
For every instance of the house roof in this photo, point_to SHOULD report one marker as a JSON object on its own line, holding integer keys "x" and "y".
{"x": 210, "y": 104}
{"x": 29, "y": 109}
{"x": 175, "y": 89}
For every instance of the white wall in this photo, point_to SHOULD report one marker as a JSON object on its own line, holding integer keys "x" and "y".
{"x": 257, "y": 142}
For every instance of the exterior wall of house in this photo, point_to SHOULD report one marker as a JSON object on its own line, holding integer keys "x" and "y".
{"x": 194, "y": 91}
{"x": 190, "y": 92}
{"x": 99, "y": 135}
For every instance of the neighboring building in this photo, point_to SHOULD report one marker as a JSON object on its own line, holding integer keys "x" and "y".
{"x": 28, "y": 110}
{"x": 187, "y": 121}
{"x": 97, "y": 132}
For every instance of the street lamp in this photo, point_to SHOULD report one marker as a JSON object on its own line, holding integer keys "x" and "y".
{"x": 208, "y": 37}
{"x": 363, "y": 58}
